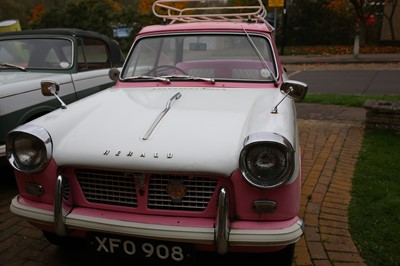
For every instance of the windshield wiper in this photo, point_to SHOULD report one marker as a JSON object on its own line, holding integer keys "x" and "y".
{"x": 164, "y": 79}
{"x": 13, "y": 66}
{"x": 187, "y": 77}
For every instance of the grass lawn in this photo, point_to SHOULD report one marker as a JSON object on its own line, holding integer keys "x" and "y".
{"x": 374, "y": 212}
{"x": 347, "y": 100}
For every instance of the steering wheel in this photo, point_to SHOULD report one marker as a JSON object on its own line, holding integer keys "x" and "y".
{"x": 162, "y": 68}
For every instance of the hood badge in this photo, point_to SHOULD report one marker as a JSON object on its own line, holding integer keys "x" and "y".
{"x": 155, "y": 155}
{"x": 176, "y": 190}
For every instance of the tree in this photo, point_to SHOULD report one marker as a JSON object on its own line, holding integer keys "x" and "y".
{"x": 145, "y": 6}
{"x": 364, "y": 10}
{"x": 92, "y": 15}
{"x": 37, "y": 13}
{"x": 311, "y": 22}
{"x": 10, "y": 9}
{"x": 389, "y": 13}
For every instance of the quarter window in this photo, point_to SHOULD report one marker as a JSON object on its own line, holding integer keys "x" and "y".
{"x": 93, "y": 54}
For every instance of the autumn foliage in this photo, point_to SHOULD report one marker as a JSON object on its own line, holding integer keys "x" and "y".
{"x": 36, "y": 13}
{"x": 145, "y": 6}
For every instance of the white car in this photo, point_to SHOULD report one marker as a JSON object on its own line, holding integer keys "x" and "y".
{"x": 194, "y": 150}
{"x": 77, "y": 60}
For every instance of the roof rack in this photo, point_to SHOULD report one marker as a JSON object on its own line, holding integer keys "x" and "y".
{"x": 196, "y": 11}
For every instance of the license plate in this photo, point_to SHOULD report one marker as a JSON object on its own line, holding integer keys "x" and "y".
{"x": 140, "y": 248}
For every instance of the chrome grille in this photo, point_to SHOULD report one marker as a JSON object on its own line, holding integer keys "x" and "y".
{"x": 108, "y": 187}
{"x": 119, "y": 189}
{"x": 198, "y": 194}
{"x": 66, "y": 188}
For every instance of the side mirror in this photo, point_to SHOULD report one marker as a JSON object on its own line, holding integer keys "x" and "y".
{"x": 49, "y": 88}
{"x": 52, "y": 88}
{"x": 296, "y": 90}
{"x": 113, "y": 73}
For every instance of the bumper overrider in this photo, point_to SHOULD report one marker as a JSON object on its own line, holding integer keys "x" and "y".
{"x": 2, "y": 151}
{"x": 223, "y": 235}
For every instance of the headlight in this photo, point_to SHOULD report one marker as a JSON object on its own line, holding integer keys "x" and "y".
{"x": 267, "y": 159}
{"x": 28, "y": 148}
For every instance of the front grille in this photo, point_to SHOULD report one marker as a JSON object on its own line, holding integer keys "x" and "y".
{"x": 108, "y": 187}
{"x": 66, "y": 189}
{"x": 198, "y": 194}
{"x": 119, "y": 189}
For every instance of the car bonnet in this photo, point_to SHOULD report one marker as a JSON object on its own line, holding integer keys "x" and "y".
{"x": 203, "y": 130}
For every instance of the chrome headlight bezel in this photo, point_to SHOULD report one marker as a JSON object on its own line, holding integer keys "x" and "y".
{"x": 273, "y": 160}
{"x": 29, "y": 148}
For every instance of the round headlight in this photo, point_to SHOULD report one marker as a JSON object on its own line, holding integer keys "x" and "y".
{"x": 28, "y": 148}
{"x": 266, "y": 163}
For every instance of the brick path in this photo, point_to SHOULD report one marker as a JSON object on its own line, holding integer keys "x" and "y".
{"x": 329, "y": 152}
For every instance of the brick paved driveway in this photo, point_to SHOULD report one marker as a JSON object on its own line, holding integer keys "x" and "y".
{"x": 329, "y": 152}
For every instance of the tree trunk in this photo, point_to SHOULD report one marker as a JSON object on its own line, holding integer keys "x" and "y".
{"x": 363, "y": 31}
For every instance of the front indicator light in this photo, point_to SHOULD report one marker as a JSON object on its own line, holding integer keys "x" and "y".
{"x": 34, "y": 189}
{"x": 264, "y": 206}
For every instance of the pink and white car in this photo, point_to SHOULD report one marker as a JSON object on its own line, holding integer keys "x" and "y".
{"x": 195, "y": 149}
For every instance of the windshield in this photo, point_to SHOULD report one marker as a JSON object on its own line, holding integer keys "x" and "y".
{"x": 238, "y": 57}
{"x": 36, "y": 53}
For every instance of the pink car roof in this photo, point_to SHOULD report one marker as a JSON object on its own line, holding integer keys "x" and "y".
{"x": 206, "y": 27}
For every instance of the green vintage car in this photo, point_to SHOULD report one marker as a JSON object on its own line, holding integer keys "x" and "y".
{"x": 77, "y": 60}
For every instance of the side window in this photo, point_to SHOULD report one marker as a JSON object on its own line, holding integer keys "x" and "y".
{"x": 93, "y": 54}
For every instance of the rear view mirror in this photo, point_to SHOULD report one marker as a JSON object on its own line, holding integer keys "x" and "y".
{"x": 296, "y": 90}
{"x": 49, "y": 88}
{"x": 52, "y": 88}
{"x": 113, "y": 74}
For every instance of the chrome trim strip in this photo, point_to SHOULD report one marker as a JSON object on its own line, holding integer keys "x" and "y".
{"x": 222, "y": 223}
{"x": 161, "y": 115}
{"x": 269, "y": 137}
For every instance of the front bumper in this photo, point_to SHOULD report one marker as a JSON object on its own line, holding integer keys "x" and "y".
{"x": 221, "y": 232}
